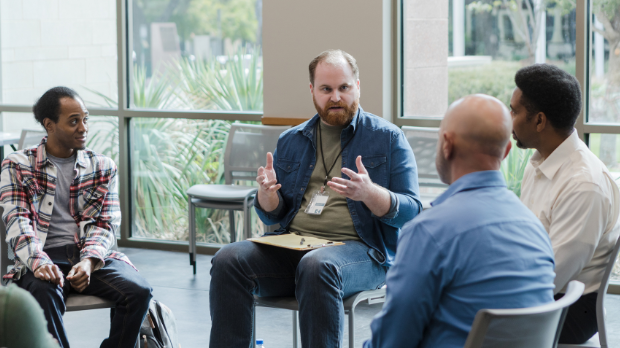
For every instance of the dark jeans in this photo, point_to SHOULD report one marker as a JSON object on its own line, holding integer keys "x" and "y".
{"x": 116, "y": 281}
{"x": 580, "y": 324}
{"x": 320, "y": 279}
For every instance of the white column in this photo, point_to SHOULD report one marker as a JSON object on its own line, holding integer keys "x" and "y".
{"x": 599, "y": 51}
{"x": 458, "y": 28}
{"x": 541, "y": 43}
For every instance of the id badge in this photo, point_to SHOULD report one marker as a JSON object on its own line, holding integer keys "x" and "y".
{"x": 317, "y": 203}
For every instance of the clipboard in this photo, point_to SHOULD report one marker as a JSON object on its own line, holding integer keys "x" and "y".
{"x": 295, "y": 242}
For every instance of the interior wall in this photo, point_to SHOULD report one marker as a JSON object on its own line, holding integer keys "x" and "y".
{"x": 291, "y": 41}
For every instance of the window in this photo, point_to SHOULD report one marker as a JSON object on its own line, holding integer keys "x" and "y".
{"x": 198, "y": 55}
{"x": 459, "y": 47}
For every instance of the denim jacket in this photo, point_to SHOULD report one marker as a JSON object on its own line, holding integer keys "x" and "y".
{"x": 390, "y": 163}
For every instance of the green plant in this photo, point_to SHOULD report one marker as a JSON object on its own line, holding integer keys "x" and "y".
{"x": 495, "y": 79}
{"x": 170, "y": 155}
{"x": 513, "y": 167}
{"x": 208, "y": 84}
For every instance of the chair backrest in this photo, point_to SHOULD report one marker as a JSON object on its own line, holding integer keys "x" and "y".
{"x": 423, "y": 142}
{"x": 5, "y": 262}
{"x": 30, "y": 137}
{"x": 246, "y": 149}
{"x": 523, "y": 327}
{"x": 602, "y": 290}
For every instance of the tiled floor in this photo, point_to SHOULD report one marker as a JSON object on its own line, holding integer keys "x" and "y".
{"x": 188, "y": 296}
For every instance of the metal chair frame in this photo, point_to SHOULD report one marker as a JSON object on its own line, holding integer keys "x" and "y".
{"x": 231, "y": 174}
{"x": 488, "y": 323}
{"x": 600, "y": 306}
{"x": 290, "y": 303}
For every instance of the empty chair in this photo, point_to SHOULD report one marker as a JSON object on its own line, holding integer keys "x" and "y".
{"x": 600, "y": 339}
{"x": 290, "y": 303}
{"x": 30, "y": 137}
{"x": 246, "y": 150}
{"x": 536, "y": 327}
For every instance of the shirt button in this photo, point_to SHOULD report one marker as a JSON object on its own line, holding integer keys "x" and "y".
{"x": 302, "y": 189}
{"x": 352, "y": 213}
{"x": 289, "y": 167}
{"x": 311, "y": 166}
{"x": 372, "y": 163}
{"x": 49, "y": 203}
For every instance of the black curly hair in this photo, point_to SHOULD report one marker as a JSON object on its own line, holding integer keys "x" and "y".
{"x": 48, "y": 106}
{"x": 551, "y": 90}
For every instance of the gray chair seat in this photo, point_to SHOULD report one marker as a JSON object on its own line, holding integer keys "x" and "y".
{"x": 223, "y": 193}
{"x": 290, "y": 303}
{"x": 79, "y": 302}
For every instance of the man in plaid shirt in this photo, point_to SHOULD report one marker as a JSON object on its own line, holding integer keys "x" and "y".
{"x": 61, "y": 212}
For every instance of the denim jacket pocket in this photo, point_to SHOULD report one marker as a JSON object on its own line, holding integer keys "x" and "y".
{"x": 377, "y": 168}
{"x": 287, "y": 173}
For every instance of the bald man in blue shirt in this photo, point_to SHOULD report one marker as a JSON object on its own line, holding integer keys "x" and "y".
{"x": 478, "y": 247}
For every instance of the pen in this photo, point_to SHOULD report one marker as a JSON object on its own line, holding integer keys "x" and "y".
{"x": 302, "y": 241}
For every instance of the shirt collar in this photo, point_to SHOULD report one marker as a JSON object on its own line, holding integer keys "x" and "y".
{"x": 561, "y": 154}
{"x": 472, "y": 181}
{"x": 43, "y": 160}
{"x": 308, "y": 130}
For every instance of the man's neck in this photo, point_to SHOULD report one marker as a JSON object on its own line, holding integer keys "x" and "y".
{"x": 53, "y": 148}
{"x": 552, "y": 140}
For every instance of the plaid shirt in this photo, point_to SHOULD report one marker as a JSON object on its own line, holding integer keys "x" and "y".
{"x": 27, "y": 189}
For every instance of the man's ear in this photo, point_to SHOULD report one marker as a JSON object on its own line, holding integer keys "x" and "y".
{"x": 508, "y": 147}
{"x": 48, "y": 124}
{"x": 311, "y": 88}
{"x": 541, "y": 121}
{"x": 447, "y": 147}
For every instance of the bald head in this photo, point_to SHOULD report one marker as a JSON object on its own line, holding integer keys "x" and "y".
{"x": 477, "y": 130}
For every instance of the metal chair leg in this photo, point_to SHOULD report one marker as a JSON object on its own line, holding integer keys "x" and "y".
{"x": 231, "y": 220}
{"x": 192, "y": 235}
{"x": 295, "y": 329}
{"x": 352, "y": 328}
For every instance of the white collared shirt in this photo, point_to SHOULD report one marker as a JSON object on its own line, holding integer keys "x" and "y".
{"x": 577, "y": 201}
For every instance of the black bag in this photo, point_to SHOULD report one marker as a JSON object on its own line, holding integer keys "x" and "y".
{"x": 159, "y": 328}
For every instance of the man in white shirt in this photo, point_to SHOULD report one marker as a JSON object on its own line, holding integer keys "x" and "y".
{"x": 567, "y": 187}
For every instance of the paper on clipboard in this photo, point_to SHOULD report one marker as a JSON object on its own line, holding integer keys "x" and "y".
{"x": 293, "y": 241}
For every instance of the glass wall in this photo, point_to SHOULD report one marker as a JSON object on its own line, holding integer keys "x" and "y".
{"x": 168, "y": 156}
{"x": 198, "y": 55}
{"x": 459, "y": 47}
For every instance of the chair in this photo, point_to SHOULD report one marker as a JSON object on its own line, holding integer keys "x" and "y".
{"x": 536, "y": 327}
{"x": 423, "y": 141}
{"x": 290, "y": 303}
{"x": 30, "y": 137}
{"x": 601, "y": 342}
{"x": 246, "y": 150}
{"x": 75, "y": 302}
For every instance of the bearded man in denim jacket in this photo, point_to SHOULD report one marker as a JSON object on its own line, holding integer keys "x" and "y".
{"x": 366, "y": 169}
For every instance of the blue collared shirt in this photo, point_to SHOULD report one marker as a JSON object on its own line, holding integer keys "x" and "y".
{"x": 390, "y": 163}
{"x": 478, "y": 247}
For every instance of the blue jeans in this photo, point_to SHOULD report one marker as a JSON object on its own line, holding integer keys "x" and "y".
{"x": 116, "y": 281}
{"x": 320, "y": 279}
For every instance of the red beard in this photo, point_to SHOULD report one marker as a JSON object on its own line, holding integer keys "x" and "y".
{"x": 341, "y": 117}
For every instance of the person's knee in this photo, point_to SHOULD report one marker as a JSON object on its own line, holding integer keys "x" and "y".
{"x": 316, "y": 269}
{"x": 141, "y": 292}
{"x": 45, "y": 291}
{"x": 230, "y": 256}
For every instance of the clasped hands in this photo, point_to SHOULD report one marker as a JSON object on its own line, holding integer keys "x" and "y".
{"x": 359, "y": 188}
{"x": 78, "y": 277}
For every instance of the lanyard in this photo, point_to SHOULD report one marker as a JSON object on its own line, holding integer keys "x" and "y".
{"x": 327, "y": 177}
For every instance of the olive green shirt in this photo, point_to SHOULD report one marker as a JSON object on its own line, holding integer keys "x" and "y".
{"x": 22, "y": 323}
{"x": 335, "y": 221}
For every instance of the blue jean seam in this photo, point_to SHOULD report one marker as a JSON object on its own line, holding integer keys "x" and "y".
{"x": 126, "y": 300}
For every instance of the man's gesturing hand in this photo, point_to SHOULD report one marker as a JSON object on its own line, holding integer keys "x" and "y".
{"x": 267, "y": 185}
{"x": 359, "y": 187}
{"x": 79, "y": 276}
{"x": 50, "y": 273}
